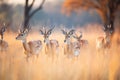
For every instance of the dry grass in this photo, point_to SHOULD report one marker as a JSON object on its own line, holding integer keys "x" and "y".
{"x": 89, "y": 66}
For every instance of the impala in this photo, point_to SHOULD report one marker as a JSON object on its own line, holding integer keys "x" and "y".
{"x": 70, "y": 48}
{"x": 31, "y": 47}
{"x": 51, "y": 46}
{"x": 82, "y": 42}
{"x": 3, "y": 44}
{"x": 104, "y": 42}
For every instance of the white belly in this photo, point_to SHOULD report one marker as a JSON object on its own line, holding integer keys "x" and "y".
{"x": 76, "y": 52}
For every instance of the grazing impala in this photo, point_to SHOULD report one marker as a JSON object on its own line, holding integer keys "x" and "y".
{"x": 31, "y": 47}
{"x": 82, "y": 42}
{"x": 70, "y": 48}
{"x": 104, "y": 42}
{"x": 51, "y": 46}
{"x": 3, "y": 44}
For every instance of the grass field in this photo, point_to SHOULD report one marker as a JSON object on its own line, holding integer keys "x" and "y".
{"x": 89, "y": 66}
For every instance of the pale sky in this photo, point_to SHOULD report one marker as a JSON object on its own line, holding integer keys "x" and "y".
{"x": 36, "y": 2}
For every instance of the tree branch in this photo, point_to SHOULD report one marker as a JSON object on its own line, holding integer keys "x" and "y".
{"x": 93, "y": 4}
{"x": 37, "y": 9}
{"x": 96, "y": 3}
{"x": 26, "y": 4}
{"x": 31, "y": 5}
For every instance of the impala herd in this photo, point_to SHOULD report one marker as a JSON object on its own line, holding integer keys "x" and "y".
{"x": 52, "y": 46}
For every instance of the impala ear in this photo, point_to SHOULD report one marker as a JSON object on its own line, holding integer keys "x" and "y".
{"x": 109, "y": 26}
{"x": 50, "y": 31}
{"x": 25, "y": 31}
{"x": 105, "y": 27}
{"x": 75, "y": 37}
{"x": 41, "y": 32}
{"x": 64, "y": 32}
{"x": 19, "y": 31}
{"x": 80, "y": 35}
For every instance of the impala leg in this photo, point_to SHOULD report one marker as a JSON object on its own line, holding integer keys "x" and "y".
{"x": 27, "y": 58}
{"x": 76, "y": 57}
{"x": 46, "y": 51}
{"x": 37, "y": 56}
{"x": 52, "y": 55}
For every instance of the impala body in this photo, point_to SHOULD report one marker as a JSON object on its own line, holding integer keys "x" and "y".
{"x": 31, "y": 47}
{"x": 51, "y": 46}
{"x": 104, "y": 42}
{"x": 3, "y": 44}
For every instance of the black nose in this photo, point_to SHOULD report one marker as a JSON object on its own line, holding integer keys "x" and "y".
{"x": 16, "y": 37}
{"x": 64, "y": 40}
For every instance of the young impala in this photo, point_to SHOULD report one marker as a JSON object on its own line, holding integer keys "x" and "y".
{"x": 51, "y": 46}
{"x": 32, "y": 47}
{"x": 82, "y": 42}
{"x": 3, "y": 44}
{"x": 70, "y": 48}
{"x": 104, "y": 42}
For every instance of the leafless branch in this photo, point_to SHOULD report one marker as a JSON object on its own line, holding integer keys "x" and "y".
{"x": 31, "y": 5}
{"x": 37, "y": 9}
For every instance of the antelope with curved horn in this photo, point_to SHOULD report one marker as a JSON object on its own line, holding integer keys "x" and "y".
{"x": 51, "y": 46}
{"x": 104, "y": 42}
{"x": 69, "y": 45}
{"x": 3, "y": 44}
{"x": 32, "y": 47}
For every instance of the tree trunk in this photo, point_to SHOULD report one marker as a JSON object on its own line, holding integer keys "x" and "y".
{"x": 26, "y": 22}
{"x": 28, "y": 14}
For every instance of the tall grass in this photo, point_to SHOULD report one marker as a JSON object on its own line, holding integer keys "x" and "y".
{"x": 90, "y": 65}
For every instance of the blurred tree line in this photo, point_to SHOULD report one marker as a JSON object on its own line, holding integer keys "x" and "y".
{"x": 17, "y": 15}
{"x": 6, "y": 12}
{"x": 9, "y": 14}
{"x": 107, "y": 9}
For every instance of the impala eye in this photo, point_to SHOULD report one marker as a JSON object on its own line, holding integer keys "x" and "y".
{"x": 21, "y": 34}
{"x": 68, "y": 36}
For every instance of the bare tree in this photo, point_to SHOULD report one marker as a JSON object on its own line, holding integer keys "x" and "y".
{"x": 106, "y": 8}
{"x": 28, "y": 13}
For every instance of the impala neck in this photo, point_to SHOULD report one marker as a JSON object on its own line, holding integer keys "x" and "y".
{"x": 47, "y": 41}
{"x": 25, "y": 45}
{"x": 79, "y": 40}
{"x": 68, "y": 41}
{"x": 107, "y": 39}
